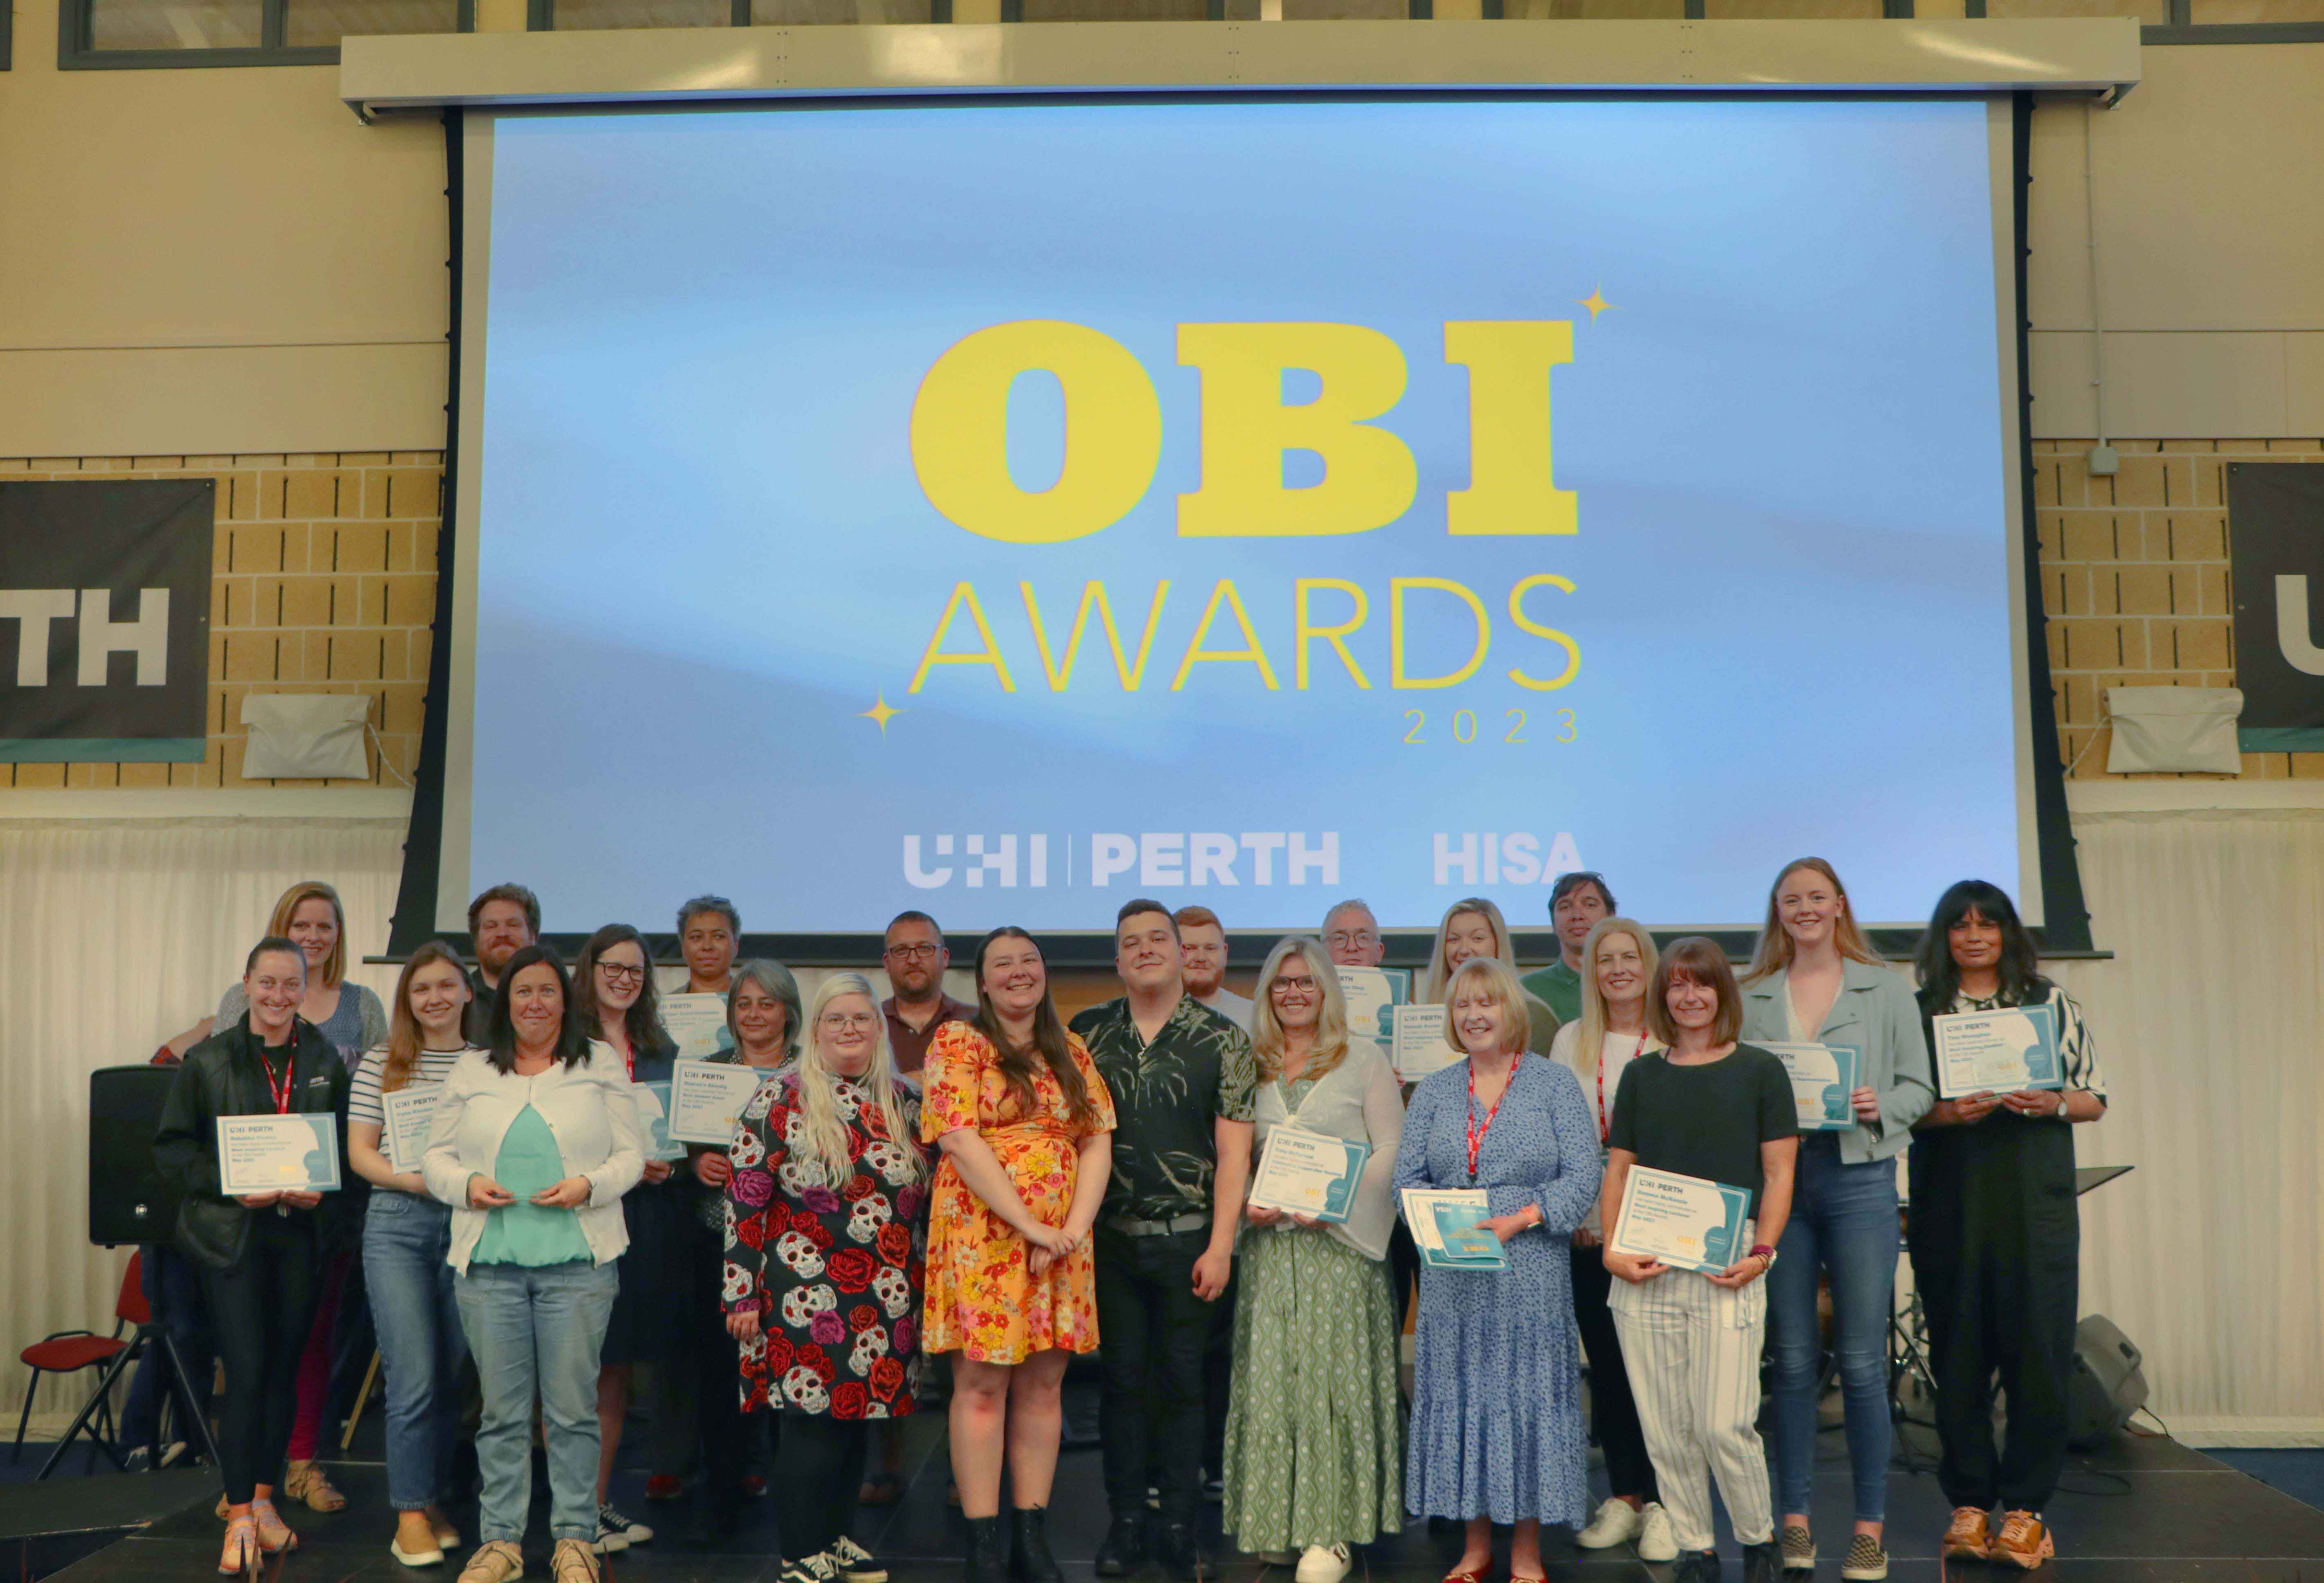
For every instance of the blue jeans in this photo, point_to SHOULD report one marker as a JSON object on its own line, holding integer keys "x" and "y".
{"x": 173, "y": 1295}
{"x": 405, "y": 1239}
{"x": 536, "y": 1328}
{"x": 1843, "y": 1219}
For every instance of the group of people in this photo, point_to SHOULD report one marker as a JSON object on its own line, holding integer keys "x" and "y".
{"x": 927, "y": 1178}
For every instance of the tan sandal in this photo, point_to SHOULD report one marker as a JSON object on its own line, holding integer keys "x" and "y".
{"x": 573, "y": 1562}
{"x": 496, "y": 1560}
{"x": 305, "y": 1481}
{"x": 274, "y": 1535}
{"x": 241, "y": 1555}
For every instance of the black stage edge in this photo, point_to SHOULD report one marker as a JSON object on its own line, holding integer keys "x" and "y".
{"x": 48, "y": 1525}
{"x": 2146, "y": 1510}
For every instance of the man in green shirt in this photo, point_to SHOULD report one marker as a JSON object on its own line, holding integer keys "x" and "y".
{"x": 1577, "y": 902}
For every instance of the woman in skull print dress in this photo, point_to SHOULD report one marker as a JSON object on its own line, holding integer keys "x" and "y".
{"x": 824, "y": 1266}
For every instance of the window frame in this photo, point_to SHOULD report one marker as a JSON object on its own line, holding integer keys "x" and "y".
{"x": 77, "y": 50}
{"x": 2181, "y": 28}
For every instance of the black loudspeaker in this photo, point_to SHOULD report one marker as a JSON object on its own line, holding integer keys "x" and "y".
{"x": 128, "y": 1202}
{"x": 2107, "y": 1387}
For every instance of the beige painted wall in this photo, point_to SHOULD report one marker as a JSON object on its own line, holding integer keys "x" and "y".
{"x": 225, "y": 262}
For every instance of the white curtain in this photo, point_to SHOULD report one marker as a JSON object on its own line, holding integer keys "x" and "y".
{"x": 2210, "y": 1027}
{"x": 114, "y": 934}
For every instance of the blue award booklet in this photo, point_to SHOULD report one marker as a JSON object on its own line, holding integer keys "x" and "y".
{"x": 1443, "y": 1222}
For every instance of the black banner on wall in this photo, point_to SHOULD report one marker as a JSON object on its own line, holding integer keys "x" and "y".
{"x": 104, "y": 620}
{"x": 2275, "y": 534}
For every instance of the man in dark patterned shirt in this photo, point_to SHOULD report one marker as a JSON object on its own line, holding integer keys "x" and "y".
{"x": 1182, "y": 1079}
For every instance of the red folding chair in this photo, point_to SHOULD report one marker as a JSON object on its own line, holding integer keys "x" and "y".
{"x": 71, "y": 1351}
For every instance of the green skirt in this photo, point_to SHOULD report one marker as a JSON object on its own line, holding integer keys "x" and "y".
{"x": 1314, "y": 1440}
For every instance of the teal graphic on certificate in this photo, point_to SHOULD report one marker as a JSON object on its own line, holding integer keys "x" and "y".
{"x": 697, "y": 1022}
{"x": 1309, "y": 1173}
{"x": 298, "y": 1153}
{"x": 404, "y": 1117}
{"x": 653, "y": 1120}
{"x": 1682, "y": 1222}
{"x": 1823, "y": 1076}
{"x": 705, "y": 1099}
{"x": 1420, "y": 1044}
{"x": 1998, "y": 1052}
{"x": 1372, "y": 995}
{"x": 1443, "y": 1222}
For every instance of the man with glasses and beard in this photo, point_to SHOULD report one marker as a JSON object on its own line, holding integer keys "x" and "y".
{"x": 914, "y": 957}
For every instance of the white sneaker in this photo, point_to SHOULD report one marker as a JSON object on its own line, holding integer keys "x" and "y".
{"x": 1324, "y": 1563}
{"x": 1657, "y": 1541}
{"x": 1617, "y": 1521}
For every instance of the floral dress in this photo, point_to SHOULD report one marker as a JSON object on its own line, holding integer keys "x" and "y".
{"x": 833, "y": 1271}
{"x": 980, "y": 1299}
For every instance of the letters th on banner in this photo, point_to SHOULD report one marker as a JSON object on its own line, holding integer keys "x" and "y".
{"x": 104, "y": 620}
{"x": 2275, "y": 526}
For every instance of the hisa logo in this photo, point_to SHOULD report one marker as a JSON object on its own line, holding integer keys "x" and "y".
{"x": 1159, "y": 861}
{"x": 101, "y": 637}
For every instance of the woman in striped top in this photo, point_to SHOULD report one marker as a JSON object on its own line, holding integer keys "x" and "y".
{"x": 406, "y": 1235}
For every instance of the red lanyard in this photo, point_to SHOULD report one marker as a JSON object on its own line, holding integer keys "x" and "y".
{"x": 1603, "y": 1130}
{"x": 1476, "y": 1133}
{"x": 281, "y": 1091}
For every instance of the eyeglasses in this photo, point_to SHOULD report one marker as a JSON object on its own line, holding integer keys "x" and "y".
{"x": 1300, "y": 987}
{"x": 620, "y": 974}
{"x": 836, "y": 1020}
{"x": 914, "y": 952}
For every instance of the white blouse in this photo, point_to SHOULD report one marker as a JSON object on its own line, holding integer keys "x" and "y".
{"x": 1359, "y": 1100}
{"x": 1599, "y": 1087}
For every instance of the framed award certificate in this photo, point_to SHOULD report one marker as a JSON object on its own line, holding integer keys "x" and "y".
{"x": 1998, "y": 1052}
{"x": 404, "y": 1119}
{"x": 1823, "y": 1076}
{"x": 1420, "y": 1044}
{"x": 1684, "y": 1222}
{"x": 1309, "y": 1173}
{"x": 1371, "y": 994}
{"x": 298, "y": 1153}
{"x": 705, "y": 1099}
{"x": 697, "y": 1022}
{"x": 1443, "y": 1222}
{"x": 653, "y": 1121}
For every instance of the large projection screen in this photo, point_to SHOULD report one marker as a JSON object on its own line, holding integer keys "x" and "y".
{"x": 1006, "y": 507}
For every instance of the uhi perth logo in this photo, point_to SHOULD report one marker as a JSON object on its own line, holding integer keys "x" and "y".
{"x": 98, "y": 635}
{"x": 1149, "y": 860}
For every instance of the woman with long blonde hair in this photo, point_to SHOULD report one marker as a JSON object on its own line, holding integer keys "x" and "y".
{"x": 1814, "y": 979}
{"x": 1473, "y": 927}
{"x": 827, "y": 1178}
{"x": 407, "y": 1238}
{"x": 1312, "y": 1459}
{"x": 1618, "y": 964}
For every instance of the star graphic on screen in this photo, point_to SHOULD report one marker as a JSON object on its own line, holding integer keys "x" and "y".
{"x": 879, "y": 713}
{"x": 1595, "y": 302}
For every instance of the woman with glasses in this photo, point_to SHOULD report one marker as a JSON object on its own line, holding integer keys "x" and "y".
{"x": 824, "y": 1270}
{"x": 618, "y": 1006}
{"x": 1311, "y": 1464}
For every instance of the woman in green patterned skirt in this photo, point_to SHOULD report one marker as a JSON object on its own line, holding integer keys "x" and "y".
{"x": 1313, "y": 1440}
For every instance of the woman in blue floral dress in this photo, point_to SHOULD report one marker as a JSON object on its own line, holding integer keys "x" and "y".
{"x": 1498, "y": 1433}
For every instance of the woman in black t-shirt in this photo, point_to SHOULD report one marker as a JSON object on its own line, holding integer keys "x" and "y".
{"x": 1722, "y": 1111}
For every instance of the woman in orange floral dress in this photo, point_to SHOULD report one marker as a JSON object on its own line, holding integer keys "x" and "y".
{"x": 1026, "y": 1126}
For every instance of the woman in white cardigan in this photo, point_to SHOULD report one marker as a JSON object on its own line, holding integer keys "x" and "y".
{"x": 534, "y": 1142}
{"x": 1313, "y": 1457}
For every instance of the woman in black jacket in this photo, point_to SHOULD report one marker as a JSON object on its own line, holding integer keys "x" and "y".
{"x": 261, "y": 1254}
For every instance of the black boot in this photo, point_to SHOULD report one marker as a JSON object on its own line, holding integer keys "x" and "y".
{"x": 1762, "y": 1563}
{"x": 1181, "y": 1554}
{"x": 988, "y": 1550}
{"x": 1124, "y": 1549}
{"x": 1029, "y": 1560}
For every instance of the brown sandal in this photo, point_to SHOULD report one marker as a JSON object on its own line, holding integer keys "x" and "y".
{"x": 305, "y": 1481}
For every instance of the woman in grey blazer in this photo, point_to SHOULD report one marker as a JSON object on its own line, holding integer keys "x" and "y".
{"x": 1815, "y": 980}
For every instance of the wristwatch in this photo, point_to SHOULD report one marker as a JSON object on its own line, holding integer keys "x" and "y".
{"x": 1765, "y": 1252}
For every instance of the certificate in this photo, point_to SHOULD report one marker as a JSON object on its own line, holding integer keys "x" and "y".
{"x": 1684, "y": 1221}
{"x": 298, "y": 1153}
{"x": 653, "y": 1121}
{"x": 699, "y": 1023}
{"x": 406, "y": 1115}
{"x": 705, "y": 1099}
{"x": 1419, "y": 1045}
{"x": 1371, "y": 993}
{"x": 1309, "y": 1173}
{"x": 1823, "y": 1076}
{"x": 1998, "y": 1052}
{"x": 1443, "y": 1222}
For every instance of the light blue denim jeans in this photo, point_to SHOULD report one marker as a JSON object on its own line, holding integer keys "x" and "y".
{"x": 1844, "y": 1220}
{"x": 405, "y": 1239}
{"x": 537, "y": 1329}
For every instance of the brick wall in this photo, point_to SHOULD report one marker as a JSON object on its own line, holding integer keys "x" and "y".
{"x": 2135, "y": 581}
{"x": 323, "y": 581}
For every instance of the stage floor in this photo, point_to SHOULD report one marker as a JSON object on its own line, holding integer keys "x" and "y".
{"x": 2146, "y": 1511}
